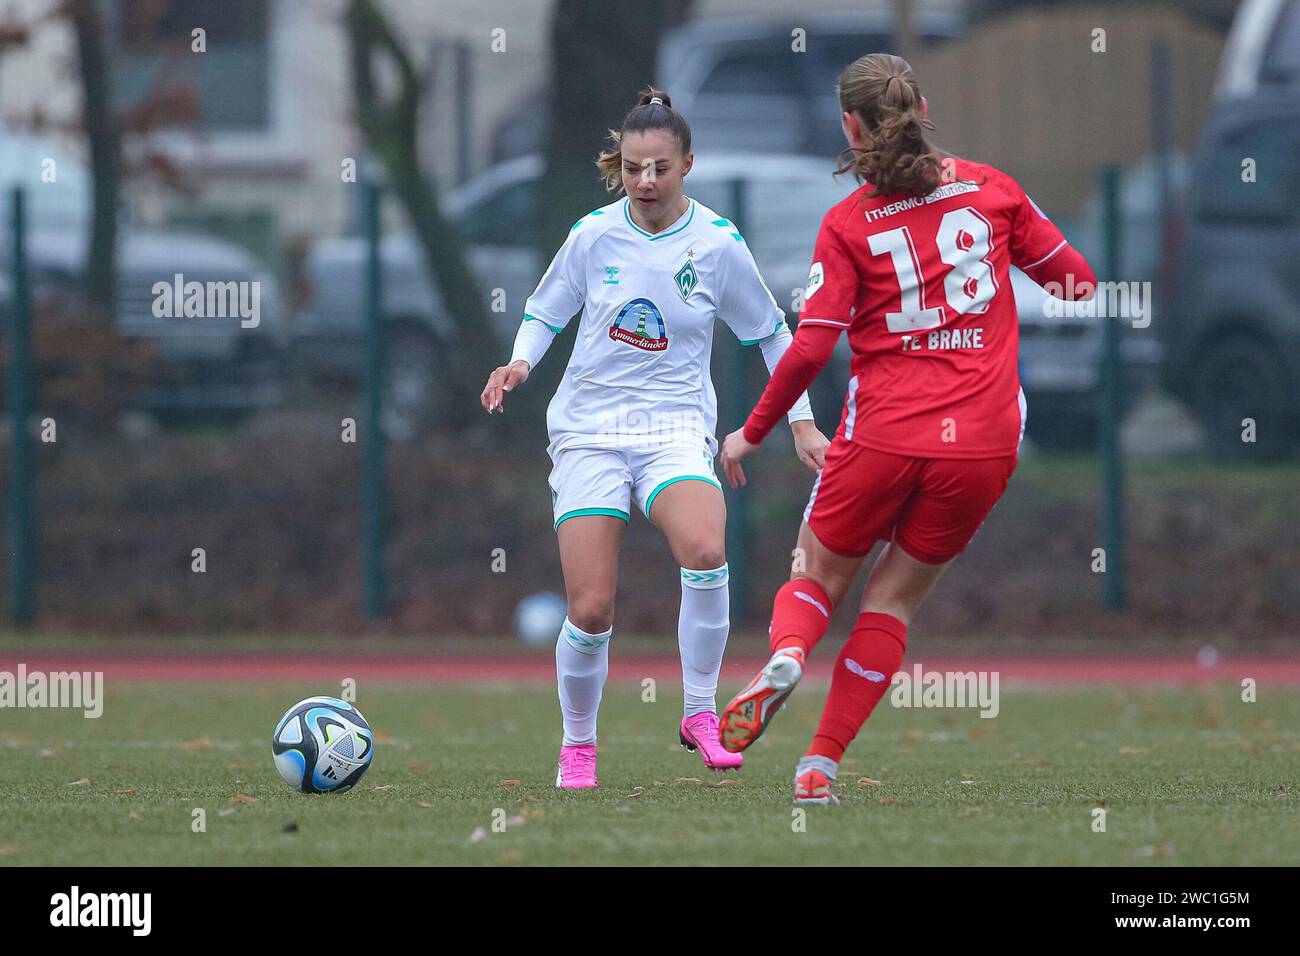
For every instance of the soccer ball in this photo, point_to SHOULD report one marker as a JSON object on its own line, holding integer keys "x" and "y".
{"x": 539, "y": 616}
{"x": 322, "y": 745}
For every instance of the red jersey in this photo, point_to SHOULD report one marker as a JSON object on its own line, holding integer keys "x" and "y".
{"x": 922, "y": 285}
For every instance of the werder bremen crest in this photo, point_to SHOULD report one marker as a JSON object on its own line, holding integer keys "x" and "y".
{"x": 687, "y": 279}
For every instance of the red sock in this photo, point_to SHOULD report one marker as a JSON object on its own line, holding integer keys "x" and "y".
{"x": 870, "y": 658}
{"x": 800, "y": 614}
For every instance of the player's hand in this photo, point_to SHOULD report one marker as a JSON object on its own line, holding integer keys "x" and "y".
{"x": 504, "y": 379}
{"x": 734, "y": 448}
{"x": 810, "y": 443}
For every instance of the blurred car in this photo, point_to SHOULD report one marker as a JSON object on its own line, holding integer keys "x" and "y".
{"x": 784, "y": 198}
{"x": 206, "y": 365}
{"x": 744, "y": 89}
{"x": 725, "y": 73}
{"x": 1060, "y": 354}
{"x": 1232, "y": 344}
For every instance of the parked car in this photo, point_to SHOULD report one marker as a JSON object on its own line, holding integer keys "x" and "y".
{"x": 206, "y": 365}
{"x": 743, "y": 88}
{"x": 725, "y": 73}
{"x": 1232, "y": 344}
{"x": 785, "y": 198}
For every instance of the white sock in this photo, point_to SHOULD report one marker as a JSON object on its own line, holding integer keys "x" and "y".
{"x": 817, "y": 762}
{"x": 581, "y": 665}
{"x": 702, "y": 630}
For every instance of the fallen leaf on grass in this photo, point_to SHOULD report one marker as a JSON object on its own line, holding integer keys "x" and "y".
{"x": 1164, "y": 849}
{"x": 868, "y": 782}
{"x": 80, "y": 783}
{"x": 724, "y": 782}
{"x": 692, "y": 780}
{"x": 126, "y": 792}
{"x": 424, "y": 806}
{"x": 243, "y": 798}
{"x": 503, "y": 784}
{"x": 890, "y": 802}
{"x": 420, "y": 767}
{"x": 384, "y": 789}
{"x": 636, "y": 791}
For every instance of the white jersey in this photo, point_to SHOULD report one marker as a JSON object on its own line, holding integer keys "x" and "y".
{"x": 639, "y": 372}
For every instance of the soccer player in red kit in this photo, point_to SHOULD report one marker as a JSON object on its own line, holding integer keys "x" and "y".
{"x": 915, "y": 267}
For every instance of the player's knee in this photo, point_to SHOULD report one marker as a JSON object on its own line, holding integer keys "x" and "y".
{"x": 701, "y": 554}
{"x": 592, "y": 613}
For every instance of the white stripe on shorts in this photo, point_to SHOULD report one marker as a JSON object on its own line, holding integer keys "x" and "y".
{"x": 852, "y": 414}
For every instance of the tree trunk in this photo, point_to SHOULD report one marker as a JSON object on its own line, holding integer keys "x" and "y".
{"x": 391, "y": 130}
{"x": 100, "y": 278}
{"x": 603, "y": 53}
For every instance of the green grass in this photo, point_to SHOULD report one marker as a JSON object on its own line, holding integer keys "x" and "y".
{"x": 1190, "y": 777}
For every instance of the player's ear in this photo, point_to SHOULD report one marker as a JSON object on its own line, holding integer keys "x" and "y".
{"x": 851, "y": 127}
{"x": 925, "y": 108}
{"x": 687, "y": 163}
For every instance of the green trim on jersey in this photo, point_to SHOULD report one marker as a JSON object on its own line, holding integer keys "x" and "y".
{"x": 544, "y": 322}
{"x": 768, "y": 336}
{"x": 582, "y": 512}
{"x": 594, "y": 212}
{"x": 728, "y": 224}
{"x": 627, "y": 214}
{"x": 672, "y": 481}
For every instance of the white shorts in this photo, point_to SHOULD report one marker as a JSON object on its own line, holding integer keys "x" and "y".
{"x": 601, "y": 480}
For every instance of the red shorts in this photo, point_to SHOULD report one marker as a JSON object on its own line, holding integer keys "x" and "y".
{"x": 929, "y": 507}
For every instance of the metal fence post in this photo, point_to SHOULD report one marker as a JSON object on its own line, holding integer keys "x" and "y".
{"x": 23, "y": 602}
{"x": 1112, "y": 471}
{"x": 373, "y": 489}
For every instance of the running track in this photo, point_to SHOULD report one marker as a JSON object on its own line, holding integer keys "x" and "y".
{"x": 541, "y": 669}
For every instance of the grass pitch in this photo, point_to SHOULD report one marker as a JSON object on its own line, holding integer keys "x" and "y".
{"x": 1186, "y": 776}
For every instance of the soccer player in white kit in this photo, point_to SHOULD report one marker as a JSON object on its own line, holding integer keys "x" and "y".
{"x": 633, "y": 420}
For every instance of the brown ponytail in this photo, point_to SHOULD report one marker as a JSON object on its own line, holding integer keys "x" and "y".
{"x": 645, "y": 115}
{"x": 896, "y": 156}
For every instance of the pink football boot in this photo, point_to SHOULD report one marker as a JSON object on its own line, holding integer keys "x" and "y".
{"x": 700, "y": 732}
{"x": 577, "y": 770}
